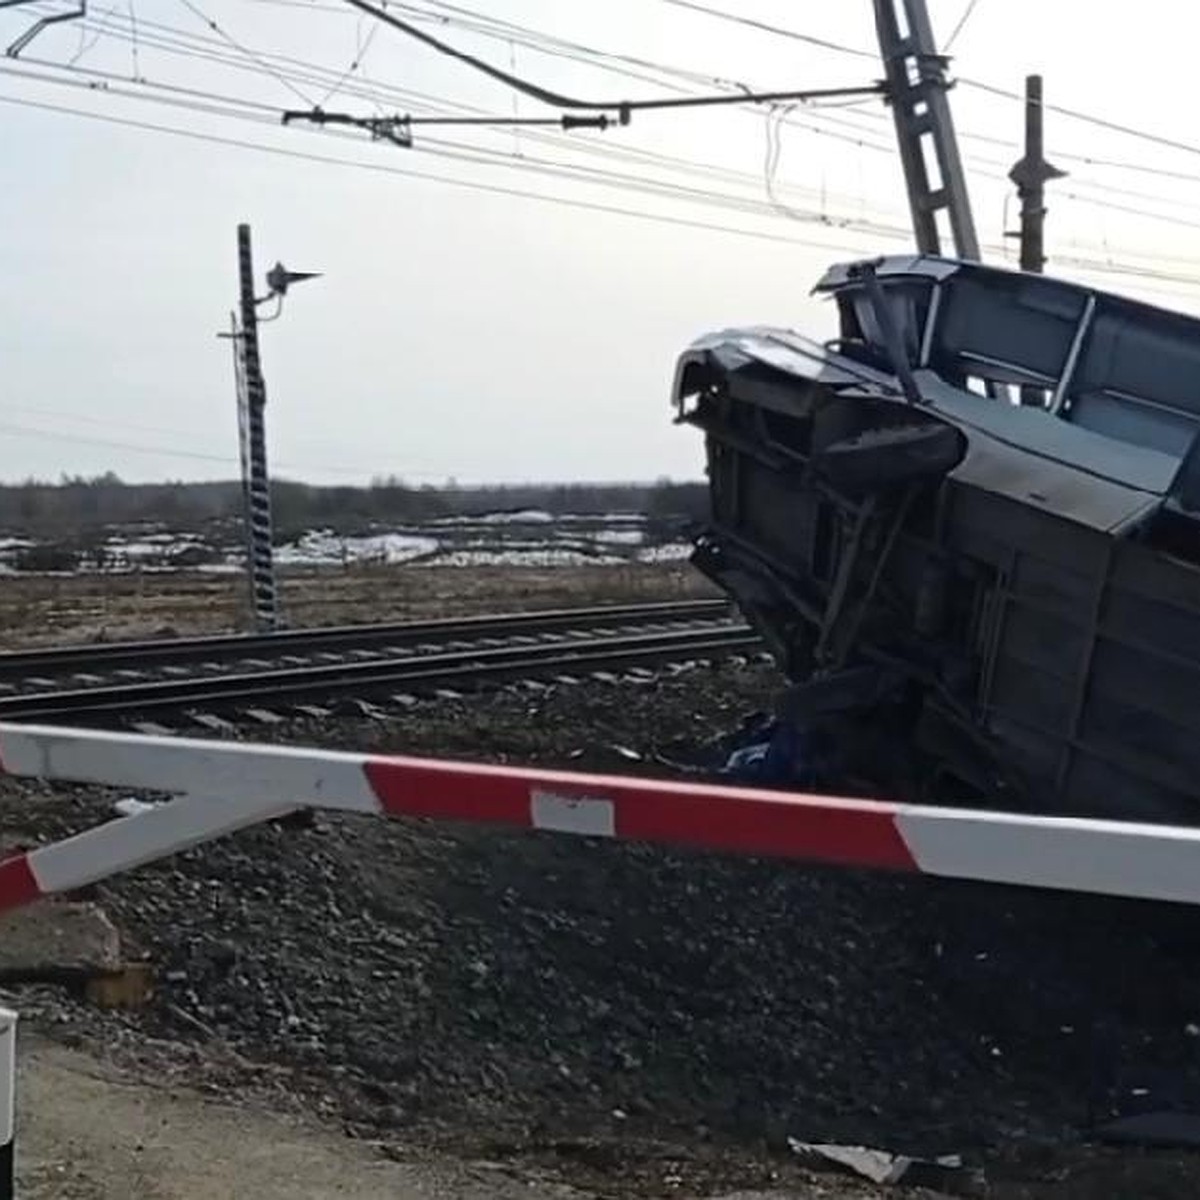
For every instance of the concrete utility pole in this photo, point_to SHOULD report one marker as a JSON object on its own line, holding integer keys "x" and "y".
{"x": 1031, "y": 175}
{"x": 917, "y": 86}
{"x": 256, "y": 480}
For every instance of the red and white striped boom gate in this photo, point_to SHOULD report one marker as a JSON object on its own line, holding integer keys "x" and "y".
{"x": 224, "y": 786}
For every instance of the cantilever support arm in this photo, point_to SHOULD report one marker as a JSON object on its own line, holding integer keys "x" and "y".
{"x": 16, "y": 47}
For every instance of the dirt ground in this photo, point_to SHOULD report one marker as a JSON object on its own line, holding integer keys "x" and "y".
{"x": 49, "y": 609}
{"x": 89, "y": 1132}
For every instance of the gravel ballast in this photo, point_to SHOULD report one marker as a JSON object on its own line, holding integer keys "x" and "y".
{"x": 529, "y": 993}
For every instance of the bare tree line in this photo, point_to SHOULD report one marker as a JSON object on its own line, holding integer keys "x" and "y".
{"x": 77, "y": 506}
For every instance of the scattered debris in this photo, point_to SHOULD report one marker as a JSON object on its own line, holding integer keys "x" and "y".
{"x": 131, "y": 806}
{"x": 946, "y": 1173}
{"x": 132, "y": 986}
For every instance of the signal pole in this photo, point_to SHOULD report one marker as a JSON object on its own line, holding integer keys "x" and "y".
{"x": 252, "y": 433}
{"x": 256, "y": 480}
{"x": 917, "y": 91}
{"x": 1031, "y": 175}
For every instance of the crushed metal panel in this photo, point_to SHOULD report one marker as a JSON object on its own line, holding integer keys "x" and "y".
{"x": 922, "y": 266}
{"x": 1048, "y": 485}
{"x": 1031, "y": 429}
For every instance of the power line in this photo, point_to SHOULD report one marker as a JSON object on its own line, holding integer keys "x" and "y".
{"x": 371, "y": 90}
{"x": 361, "y": 49}
{"x": 465, "y": 152}
{"x": 558, "y": 47}
{"x": 623, "y": 107}
{"x": 873, "y": 116}
{"x": 962, "y": 23}
{"x": 745, "y": 206}
{"x": 197, "y": 12}
{"x": 992, "y": 89}
{"x": 774, "y": 30}
{"x": 645, "y": 157}
{"x": 1101, "y": 122}
{"x": 20, "y": 429}
{"x": 467, "y": 184}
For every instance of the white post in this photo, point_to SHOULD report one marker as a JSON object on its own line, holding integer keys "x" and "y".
{"x": 8, "y": 1101}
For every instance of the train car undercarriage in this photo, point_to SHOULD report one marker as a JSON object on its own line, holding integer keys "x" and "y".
{"x": 969, "y": 531}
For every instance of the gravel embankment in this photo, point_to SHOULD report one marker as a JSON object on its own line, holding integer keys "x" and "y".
{"x": 515, "y": 992}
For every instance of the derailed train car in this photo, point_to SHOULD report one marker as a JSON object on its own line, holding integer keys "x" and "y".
{"x": 972, "y": 598}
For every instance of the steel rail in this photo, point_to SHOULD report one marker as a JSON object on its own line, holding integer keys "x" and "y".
{"x": 164, "y": 651}
{"x": 464, "y": 667}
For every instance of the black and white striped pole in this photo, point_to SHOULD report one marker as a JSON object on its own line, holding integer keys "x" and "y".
{"x": 257, "y": 483}
{"x": 8, "y": 1103}
{"x": 252, "y": 401}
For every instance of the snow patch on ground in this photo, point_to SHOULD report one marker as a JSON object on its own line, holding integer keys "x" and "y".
{"x": 323, "y": 548}
{"x": 529, "y": 537}
{"x": 668, "y": 552}
{"x": 545, "y": 557}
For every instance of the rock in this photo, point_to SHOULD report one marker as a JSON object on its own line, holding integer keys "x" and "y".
{"x": 54, "y": 939}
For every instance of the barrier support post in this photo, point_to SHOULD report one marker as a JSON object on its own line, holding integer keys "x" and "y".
{"x": 8, "y": 1103}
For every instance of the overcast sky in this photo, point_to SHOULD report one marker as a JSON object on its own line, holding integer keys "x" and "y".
{"x": 478, "y": 334}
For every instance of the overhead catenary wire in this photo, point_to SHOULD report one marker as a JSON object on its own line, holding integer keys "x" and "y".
{"x": 464, "y": 152}
{"x": 511, "y": 27}
{"x": 891, "y": 232}
{"x": 968, "y": 13}
{"x": 810, "y": 115}
{"x": 622, "y": 107}
{"x": 774, "y": 30}
{"x": 646, "y": 186}
{"x": 535, "y": 39}
{"x": 993, "y": 89}
{"x": 452, "y": 181}
{"x": 857, "y": 249}
{"x": 1087, "y": 118}
{"x": 196, "y": 11}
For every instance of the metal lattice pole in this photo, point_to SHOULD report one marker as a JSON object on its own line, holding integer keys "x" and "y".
{"x": 257, "y": 481}
{"x": 917, "y": 90}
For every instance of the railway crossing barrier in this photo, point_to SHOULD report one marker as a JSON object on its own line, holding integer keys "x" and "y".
{"x": 224, "y": 786}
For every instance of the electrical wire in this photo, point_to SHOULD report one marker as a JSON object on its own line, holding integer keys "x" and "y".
{"x": 622, "y": 107}
{"x": 534, "y": 39}
{"x": 1088, "y": 118}
{"x": 250, "y": 54}
{"x": 18, "y": 429}
{"x": 992, "y": 89}
{"x": 646, "y": 157}
{"x": 968, "y": 12}
{"x": 361, "y": 49}
{"x": 774, "y": 30}
{"x": 467, "y": 152}
{"x": 811, "y": 116}
{"x": 452, "y": 181}
{"x": 741, "y": 205}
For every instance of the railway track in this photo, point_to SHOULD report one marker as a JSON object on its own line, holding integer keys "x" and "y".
{"x": 130, "y": 681}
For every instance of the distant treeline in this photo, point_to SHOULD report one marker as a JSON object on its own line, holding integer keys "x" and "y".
{"x": 77, "y": 505}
